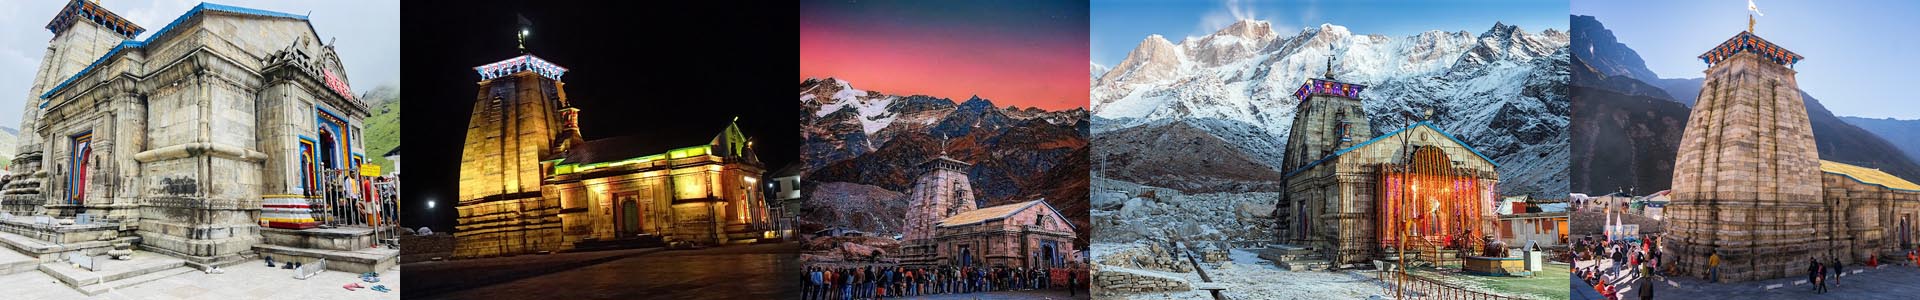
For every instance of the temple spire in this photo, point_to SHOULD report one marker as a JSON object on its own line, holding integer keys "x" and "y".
{"x": 1330, "y": 58}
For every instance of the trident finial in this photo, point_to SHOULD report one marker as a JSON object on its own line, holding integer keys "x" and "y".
{"x": 526, "y": 28}
{"x": 943, "y": 144}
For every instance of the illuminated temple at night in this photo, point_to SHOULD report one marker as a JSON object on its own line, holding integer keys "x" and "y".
{"x": 530, "y": 182}
{"x": 1349, "y": 195}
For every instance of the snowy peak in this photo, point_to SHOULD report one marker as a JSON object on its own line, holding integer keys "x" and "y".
{"x": 1501, "y": 90}
{"x": 1239, "y": 41}
{"x": 1248, "y": 29}
{"x": 1502, "y": 31}
{"x": 1096, "y": 70}
{"x": 1154, "y": 60}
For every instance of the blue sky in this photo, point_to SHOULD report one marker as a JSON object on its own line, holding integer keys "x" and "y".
{"x": 367, "y": 33}
{"x": 1119, "y": 25}
{"x": 1857, "y": 63}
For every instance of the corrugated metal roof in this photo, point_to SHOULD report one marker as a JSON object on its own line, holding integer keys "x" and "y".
{"x": 1868, "y": 176}
{"x": 993, "y": 213}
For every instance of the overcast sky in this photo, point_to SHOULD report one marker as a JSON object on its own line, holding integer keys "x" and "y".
{"x": 368, "y": 33}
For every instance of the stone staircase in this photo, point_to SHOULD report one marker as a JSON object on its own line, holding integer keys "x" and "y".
{"x": 15, "y": 263}
{"x": 112, "y": 274}
{"x": 1295, "y": 258}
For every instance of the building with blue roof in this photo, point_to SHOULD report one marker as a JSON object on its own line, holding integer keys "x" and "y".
{"x": 227, "y": 133}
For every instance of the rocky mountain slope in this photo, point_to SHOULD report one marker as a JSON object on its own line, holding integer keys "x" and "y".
{"x": 1904, "y": 134}
{"x": 1502, "y": 91}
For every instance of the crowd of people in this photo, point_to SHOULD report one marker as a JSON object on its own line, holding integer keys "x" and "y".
{"x": 1639, "y": 258}
{"x": 876, "y": 282}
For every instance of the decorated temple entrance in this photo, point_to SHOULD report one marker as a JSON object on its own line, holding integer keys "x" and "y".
{"x": 1429, "y": 203}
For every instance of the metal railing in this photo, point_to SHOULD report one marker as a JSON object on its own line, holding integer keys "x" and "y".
{"x": 348, "y": 200}
{"x": 1417, "y": 287}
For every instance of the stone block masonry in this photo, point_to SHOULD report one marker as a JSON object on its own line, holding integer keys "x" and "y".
{"x": 1746, "y": 180}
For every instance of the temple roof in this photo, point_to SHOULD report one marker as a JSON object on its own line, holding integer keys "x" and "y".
{"x": 1327, "y": 87}
{"x": 197, "y": 10}
{"x": 78, "y": 10}
{"x": 1427, "y": 124}
{"x": 644, "y": 144}
{"x": 997, "y": 213}
{"x": 520, "y": 63}
{"x": 1748, "y": 42}
{"x": 1868, "y": 176}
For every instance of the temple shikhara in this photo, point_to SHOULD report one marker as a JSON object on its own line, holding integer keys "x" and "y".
{"x": 230, "y": 133}
{"x": 946, "y": 227}
{"x": 1749, "y": 185}
{"x": 530, "y": 182}
{"x": 1350, "y": 196}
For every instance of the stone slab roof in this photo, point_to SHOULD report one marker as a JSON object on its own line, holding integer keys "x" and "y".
{"x": 1747, "y": 42}
{"x": 84, "y": 10}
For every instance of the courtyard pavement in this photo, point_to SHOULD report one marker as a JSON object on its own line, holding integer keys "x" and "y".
{"x": 767, "y": 271}
{"x": 247, "y": 280}
{"x": 1005, "y": 295}
{"x": 1886, "y": 282}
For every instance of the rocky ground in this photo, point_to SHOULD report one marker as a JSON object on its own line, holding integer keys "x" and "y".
{"x": 1127, "y": 212}
{"x": 848, "y": 249}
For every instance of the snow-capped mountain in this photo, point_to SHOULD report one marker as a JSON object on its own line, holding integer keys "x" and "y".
{"x": 1502, "y": 91}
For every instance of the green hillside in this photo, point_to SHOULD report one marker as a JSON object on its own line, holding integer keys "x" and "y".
{"x": 383, "y": 129}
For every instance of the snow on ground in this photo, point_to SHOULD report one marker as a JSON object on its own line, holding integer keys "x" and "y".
{"x": 1249, "y": 277}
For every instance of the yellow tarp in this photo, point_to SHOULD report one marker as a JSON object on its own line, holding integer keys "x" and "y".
{"x": 1868, "y": 175}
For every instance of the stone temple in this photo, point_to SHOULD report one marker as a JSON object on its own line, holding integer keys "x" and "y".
{"x": 186, "y": 142}
{"x": 1748, "y": 183}
{"x": 1350, "y": 196}
{"x": 530, "y": 182}
{"x": 945, "y": 225}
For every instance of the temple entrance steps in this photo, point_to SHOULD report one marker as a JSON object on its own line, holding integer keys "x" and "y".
{"x": 112, "y": 274}
{"x": 1295, "y": 258}
{"x": 48, "y": 251}
{"x": 355, "y": 261}
{"x": 14, "y": 263}
{"x": 646, "y": 241}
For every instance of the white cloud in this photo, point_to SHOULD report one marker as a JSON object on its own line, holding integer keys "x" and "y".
{"x": 1231, "y": 11}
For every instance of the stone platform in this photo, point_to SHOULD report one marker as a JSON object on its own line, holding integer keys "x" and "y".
{"x": 62, "y": 234}
{"x": 348, "y": 249}
{"x": 1294, "y": 258}
{"x": 115, "y": 274}
{"x": 1496, "y": 266}
{"x": 343, "y": 239}
{"x": 49, "y": 252}
{"x": 12, "y": 263}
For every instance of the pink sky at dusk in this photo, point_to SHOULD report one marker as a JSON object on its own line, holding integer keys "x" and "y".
{"x": 1010, "y": 69}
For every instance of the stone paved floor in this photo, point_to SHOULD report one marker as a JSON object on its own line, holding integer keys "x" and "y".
{"x": 732, "y": 272}
{"x": 248, "y": 280}
{"x": 1006, "y": 295}
{"x": 1887, "y": 282}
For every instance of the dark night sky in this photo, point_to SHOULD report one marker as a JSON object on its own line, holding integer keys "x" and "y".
{"x": 666, "y": 70}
